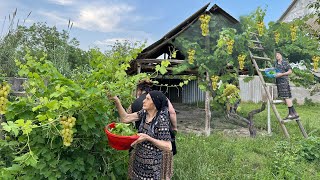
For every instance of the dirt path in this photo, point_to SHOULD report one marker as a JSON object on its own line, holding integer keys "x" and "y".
{"x": 190, "y": 118}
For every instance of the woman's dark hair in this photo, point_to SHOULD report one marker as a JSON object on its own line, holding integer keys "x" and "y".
{"x": 145, "y": 85}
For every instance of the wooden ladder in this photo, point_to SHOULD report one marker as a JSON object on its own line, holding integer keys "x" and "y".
{"x": 256, "y": 45}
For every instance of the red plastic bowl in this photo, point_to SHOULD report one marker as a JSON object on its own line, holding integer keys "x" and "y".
{"x": 119, "y": 142}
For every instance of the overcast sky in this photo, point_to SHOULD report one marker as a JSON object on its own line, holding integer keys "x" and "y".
{"x": 102, "y": 22}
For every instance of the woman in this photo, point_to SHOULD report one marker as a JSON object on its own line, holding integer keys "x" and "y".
{"x": 283, "y": 87}
{"x": 152, "y": 156}
{"x": 143, "y": 88}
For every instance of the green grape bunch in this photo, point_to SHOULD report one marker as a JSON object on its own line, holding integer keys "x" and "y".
{"x": 4, "y": 92}
{"x": 293, "y": 30}
{"x": 230, "y": 43}
{"x": 67, "y": 133}
{"x": 241, "y": 59}
{"x": 260, "y": 27}
{"x": 191, "y": 53}
{"x": 123, "y": 129}
{"x": 231, "y": 91}
{"x": 205, "y": 19}
{"x": 315, "y": 60}
{"x": 214, "y": 82}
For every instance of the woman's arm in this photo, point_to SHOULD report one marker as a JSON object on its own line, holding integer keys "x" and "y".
{"x": 284, "y": 74}
{"x": 161, "y": 144}
{"x": 124, "y": 116}
{"x": 173, "y": 116}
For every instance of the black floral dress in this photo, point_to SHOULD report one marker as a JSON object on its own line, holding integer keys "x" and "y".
{"x": 147, "y": 161}
{"x": 282, "y": 82}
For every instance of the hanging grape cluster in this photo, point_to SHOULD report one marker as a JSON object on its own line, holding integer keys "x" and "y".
{"x": 191, "y": 53}
{"x": 241, "y": 59}
{"x": 315, "y": 60}
{"x": 277, "y": 37}
{"x": 67, "y": 132}
{"x": 260, "y": 26}
{"x": 4, "y": 91}
{"x": 293, "y": 30}
{"x": 205, "y": 19}
{"x": 231, "y": 91}
{"x": 214, "y": 82}
{"x": 230, "y": 43}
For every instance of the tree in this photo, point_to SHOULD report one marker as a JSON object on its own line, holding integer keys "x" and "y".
{"x": 41, "y": 39}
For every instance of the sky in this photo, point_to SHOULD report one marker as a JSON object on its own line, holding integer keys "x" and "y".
{"x": 99, "y": 23}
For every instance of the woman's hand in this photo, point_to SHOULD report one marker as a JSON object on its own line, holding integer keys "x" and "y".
{"x": 279, "y": 75}
{"x": 113, "y": 98}
{"x": 142, "y": 137}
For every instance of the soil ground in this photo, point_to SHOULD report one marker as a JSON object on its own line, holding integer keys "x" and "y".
{"x": 191, "y": 119}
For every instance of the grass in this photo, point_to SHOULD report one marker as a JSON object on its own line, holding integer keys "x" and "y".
{"x": 264, "y": 157}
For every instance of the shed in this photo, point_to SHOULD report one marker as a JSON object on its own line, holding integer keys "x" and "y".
{"x": 162, "y": 50}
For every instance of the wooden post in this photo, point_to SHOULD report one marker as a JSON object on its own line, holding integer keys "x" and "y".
{"x": 138, "y": 68}
{"x": 207, "y": 109}
{"x": 1, "y": 121}
{"x": 208, "y": 97}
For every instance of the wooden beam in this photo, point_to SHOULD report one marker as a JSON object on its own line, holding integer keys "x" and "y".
{"x": 174, "y": 61}
{"x": 150, "y": 67}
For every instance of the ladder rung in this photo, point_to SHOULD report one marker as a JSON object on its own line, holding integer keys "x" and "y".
{"x": 270, "y": 84}
{"x": 289, "y": 120}
{"x": 255, "y": 41}
{"x": 253, "y": 33}
{"x": 262, "y": 70}
{"x": 277, "y": 101}
{"x": 286, "y": 120}
{"x": 19, "y": 92}
{"x": 261, "y": 58}
{"x": 257, "y": 48}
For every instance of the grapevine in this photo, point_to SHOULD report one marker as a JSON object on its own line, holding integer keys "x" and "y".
{"x": 230, "y": 43}
{"x": 293, "y": 30}
{"x": 259, "y": 17}
{"x": 4, "y": 91}
{"x": 276, "y": 37}
{"x": 204, "y": 18}
{"x": 315, "y": 60}
{"x": 67, "y": 132}
{"x": 214, "y": 82}
{"x": 191, "y": 53}
{"x": 241, "y": 59}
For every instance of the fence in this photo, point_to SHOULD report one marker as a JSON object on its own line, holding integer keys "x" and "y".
{"x": 253, "y": 91}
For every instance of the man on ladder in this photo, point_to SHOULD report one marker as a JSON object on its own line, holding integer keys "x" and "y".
{"x": 282, "y": 82}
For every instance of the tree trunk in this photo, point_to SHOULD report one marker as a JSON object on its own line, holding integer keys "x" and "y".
{"x": 239, "y": 120}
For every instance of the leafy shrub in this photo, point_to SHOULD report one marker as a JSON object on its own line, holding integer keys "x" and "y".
{"x": 35, "y": 148}
{"x": 310, "y": 149}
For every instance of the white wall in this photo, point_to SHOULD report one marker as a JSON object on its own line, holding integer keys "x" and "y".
{"x": 298, "y": 10}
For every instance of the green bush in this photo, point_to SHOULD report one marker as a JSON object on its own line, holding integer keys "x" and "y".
{"x": 35, "y": 147}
